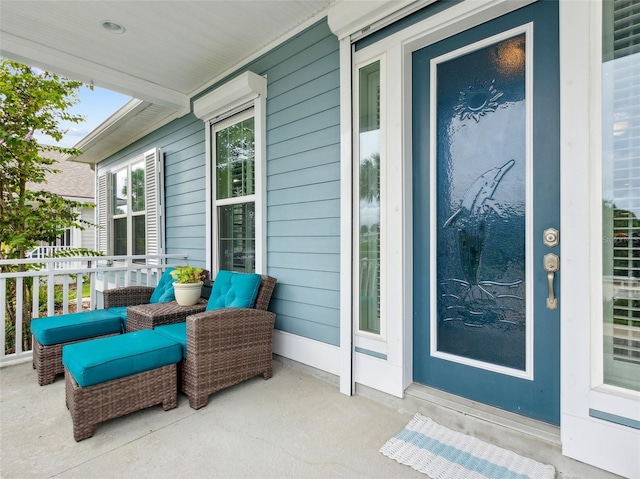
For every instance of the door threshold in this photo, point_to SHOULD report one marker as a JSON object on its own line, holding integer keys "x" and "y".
{"x": 489, "y": 414}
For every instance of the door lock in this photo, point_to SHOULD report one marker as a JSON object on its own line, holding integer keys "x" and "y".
{"x": 551, "y": 237}
{"x": 551, "y": 265}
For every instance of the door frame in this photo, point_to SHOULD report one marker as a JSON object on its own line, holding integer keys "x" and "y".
{"x": 586, "y": 434}
{"x": 579, "y": 39}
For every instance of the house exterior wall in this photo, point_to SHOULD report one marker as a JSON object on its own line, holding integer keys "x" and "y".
{"x": 87, "y": 236}
{"x": 182, "y": 143}
{"x": 303, "y": 208}
{"x": 303, "y": 181}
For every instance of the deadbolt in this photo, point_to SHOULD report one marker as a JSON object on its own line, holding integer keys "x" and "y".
{"x": 551, "y": 237}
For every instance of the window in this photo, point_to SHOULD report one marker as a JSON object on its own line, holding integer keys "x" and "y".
{"x": 368, "y": 198}
{"x": 235, "y": 118}
{"x": 129, "y": 202}
{"x": 621, "y": 193}
{"x": 234, "y": 147}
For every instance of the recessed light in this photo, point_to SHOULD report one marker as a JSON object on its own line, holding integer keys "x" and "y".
{"x": 113, "y": 27}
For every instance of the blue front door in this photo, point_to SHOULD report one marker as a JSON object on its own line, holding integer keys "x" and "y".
{"x": 486, "y": 192}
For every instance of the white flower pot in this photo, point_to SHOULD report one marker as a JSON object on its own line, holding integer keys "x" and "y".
{"x": 187, "y": 294}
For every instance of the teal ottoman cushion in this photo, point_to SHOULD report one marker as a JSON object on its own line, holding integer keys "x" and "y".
{"x": 75, "y": 326}
{"x": 177, "y": 332}
{"x": 99, "y": 360}
{"x": 234, "y": 290}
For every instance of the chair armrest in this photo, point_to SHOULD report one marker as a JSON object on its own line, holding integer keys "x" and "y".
{"x": 127, "y": 296}
{"x": 213, "y": 332}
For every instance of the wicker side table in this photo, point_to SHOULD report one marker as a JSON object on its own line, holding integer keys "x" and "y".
{"x": 148, "y": 316}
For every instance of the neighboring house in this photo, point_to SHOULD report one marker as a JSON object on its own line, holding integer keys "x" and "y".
{"x": 74, "y": 181}
{"x": 403, "y": 169}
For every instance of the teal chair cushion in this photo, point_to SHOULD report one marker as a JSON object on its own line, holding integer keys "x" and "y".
{"x": 234, "y": 290}
{"x": 163, "y": 292}
{"x": 104, "y": 359}
{"x": 119, "y": 311}
{"x": 75, "y": 326}
{"x": 176, "y": 332}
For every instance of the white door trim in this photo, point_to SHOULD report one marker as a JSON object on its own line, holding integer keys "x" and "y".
{"x": 604, "y": 444}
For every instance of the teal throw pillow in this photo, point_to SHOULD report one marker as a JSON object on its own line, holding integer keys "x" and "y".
{"x": 234, "y": 290}
{"x": 164, "y": 291}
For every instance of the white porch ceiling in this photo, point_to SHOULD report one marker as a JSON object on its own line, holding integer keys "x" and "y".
{"x": 170, "y": 49}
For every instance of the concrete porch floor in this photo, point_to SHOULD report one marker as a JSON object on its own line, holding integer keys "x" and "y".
{"x": 296, "y": 424}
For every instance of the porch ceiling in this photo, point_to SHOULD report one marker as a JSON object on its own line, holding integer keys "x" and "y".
{"x": 169, "y": 50}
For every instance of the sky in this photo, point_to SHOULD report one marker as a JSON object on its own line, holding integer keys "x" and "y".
{"x": 96, "y": 106}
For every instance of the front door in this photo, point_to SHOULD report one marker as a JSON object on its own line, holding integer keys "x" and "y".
{"x": 485, "y": 213}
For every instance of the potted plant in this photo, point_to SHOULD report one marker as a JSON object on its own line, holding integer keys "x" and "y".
{"x": 187, "y": 284}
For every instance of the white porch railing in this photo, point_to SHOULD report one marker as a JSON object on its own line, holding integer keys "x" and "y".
{"x": 54, "y": 251}
{"x": 101, "y": 272}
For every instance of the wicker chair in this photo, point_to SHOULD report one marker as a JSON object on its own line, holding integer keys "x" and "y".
{"x": 227, "y": 346}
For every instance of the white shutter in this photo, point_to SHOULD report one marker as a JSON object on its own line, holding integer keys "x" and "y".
{"x": 154, "y": 203}
{"x": 104, "y": 197}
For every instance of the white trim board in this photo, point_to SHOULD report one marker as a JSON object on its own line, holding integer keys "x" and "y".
{"x": 323, "y": 356}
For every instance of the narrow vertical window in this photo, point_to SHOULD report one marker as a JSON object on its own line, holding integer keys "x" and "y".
{"x": 368, "y": 198}
{"x": 234, "y": 147}
{"x": 129, "y": 210}
{"x": 621, "y": 193}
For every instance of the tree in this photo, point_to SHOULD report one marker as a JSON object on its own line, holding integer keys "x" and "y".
{"x": 31, "y": 101}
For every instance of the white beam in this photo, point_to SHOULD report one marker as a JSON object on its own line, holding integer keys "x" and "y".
{"x": 90, "y": 72}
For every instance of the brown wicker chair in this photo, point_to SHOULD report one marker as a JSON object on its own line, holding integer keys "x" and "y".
{"x": 228, "y": 346}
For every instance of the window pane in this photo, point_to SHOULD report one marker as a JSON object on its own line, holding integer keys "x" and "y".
{"x": 236, "y": 230}
{"x": 369, "y": 198}
{"x": 137, "y": 187}
{"x": 120, "y": 236}
{"x": 235, "y": 155}
{"x": 120, "y": 197}
{"x": 139, "y": 238}
{"x": 621, "y": 192}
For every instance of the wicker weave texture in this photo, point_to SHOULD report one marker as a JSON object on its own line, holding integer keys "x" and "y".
{"x": 225, "y": 347}
{"x": 148, "y": 316}
{"x": 127, "y": 296}
{"x": 92, "y": 405}
{"x": 228, "y": 346}
{"x": 267, "y": 284}
{"x": 47, "y": 360}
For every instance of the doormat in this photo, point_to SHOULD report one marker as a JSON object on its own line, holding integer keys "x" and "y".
{"x": 445, "y": 454}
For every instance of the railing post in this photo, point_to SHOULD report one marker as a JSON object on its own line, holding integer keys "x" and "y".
{"x": 50, "y": 291}
{"x": 19, "y": 303}
{"x": 3, "y": 315}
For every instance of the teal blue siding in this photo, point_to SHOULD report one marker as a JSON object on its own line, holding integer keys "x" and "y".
{"x": 303, "y": 181}
{"x": 183, "y": 146}
{"x": 303, "y": 184}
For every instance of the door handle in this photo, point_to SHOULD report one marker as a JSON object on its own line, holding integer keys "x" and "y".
{"x": 551, "y": 265}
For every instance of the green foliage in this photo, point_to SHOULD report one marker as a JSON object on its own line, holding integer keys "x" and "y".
{"x": 188, "y": 274}
{"x": 370, "y": 178}
{"x": 32, "y": 101}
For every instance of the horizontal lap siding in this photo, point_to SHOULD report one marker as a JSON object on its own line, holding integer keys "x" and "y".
{"x": 303, "y": 183}
{"x": 183, "y": 146}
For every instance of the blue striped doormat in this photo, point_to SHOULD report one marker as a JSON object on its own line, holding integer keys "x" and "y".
{"x": 445, "y": 454}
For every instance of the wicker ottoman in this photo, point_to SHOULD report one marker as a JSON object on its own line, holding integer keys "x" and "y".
{"x": 50, "y": 334}
{"x": 109, "y": 377}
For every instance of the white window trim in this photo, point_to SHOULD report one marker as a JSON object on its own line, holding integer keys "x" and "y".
{"x": 154, "y": 204}
{"x": 365, "y": 339}
{"x": 245, "y": 91}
